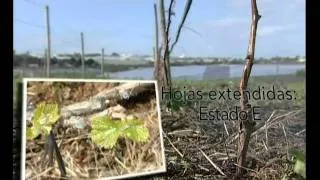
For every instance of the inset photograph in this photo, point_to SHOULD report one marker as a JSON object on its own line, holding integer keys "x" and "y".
{"x": 91, "y": 129}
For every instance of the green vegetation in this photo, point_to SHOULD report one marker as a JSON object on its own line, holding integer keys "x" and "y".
{"x": 301, "y": 72}
{"x": 294, "y": 83}
{"x": 110, "y": 68}
{"x": 297, "y": 165}
{"x": 300, "y": 92}
{"x": 74, "y": 61}
{"x": 88, "y": 75}
{"x": 44, "y": 117}
{"x": 300, "y": 163}
{"x": 105, "y": 131}
{"x": 284, "y": 169}
{"x": 16, "y": 81}
{"x": 175, "y": 105}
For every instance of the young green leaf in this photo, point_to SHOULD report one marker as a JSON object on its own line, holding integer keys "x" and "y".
{"x": 298, "y": 154}
{"x": 300, "y": 168}
{"x": 175, "y": 105}
{"x": 44, "y": 117}
{"x": 105, "y": 131}
{"x": 135, "y": 131}
{"x": 32, "y": 133}
{"x": 300, "y": 165}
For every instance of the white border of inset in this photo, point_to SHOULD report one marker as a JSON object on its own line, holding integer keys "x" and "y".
{"x": 24, "y": 114}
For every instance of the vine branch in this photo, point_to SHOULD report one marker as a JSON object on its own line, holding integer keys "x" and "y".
{"x": 184, "y": 17}
{"x": 247, "y": 127}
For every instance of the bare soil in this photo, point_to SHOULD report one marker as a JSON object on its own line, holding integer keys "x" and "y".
{"x": 187, "y": 139}
{"x": 186, "y": 134}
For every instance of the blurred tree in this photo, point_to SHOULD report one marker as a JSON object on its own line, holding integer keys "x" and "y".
{"x": 115, "y": 54}
{"x": 91, "y": 63}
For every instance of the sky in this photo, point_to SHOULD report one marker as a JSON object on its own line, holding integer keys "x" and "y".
{"x": 218, "y": 28}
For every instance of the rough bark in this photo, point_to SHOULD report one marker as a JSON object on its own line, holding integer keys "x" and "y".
{"x": 164, "y": 78}
{"x": 162, "y": 18}
{"x": 184, "y": 17}
{"x": 100, "y": 101}
{"x": 76, "y": 115}
{"x": 246, "y": 127}
{"x": 156, "y": 52}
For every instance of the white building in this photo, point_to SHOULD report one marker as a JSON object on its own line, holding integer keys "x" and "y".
{"x": 302, "y": 59}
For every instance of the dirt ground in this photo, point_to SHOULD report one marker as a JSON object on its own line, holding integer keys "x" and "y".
{"x": 188, "y": 135}
{"x": 188, "y": 141}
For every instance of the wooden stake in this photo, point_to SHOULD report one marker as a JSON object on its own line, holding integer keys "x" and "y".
{"x": 82, "y": 54}
{"x": 49, "y": 42}
{"x": 102, "y": 60}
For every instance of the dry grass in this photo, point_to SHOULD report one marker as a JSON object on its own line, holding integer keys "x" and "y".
{"x": 199, "y": 150}
{"x": 83, "y": 159}
{"x": 207, "y": 149}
